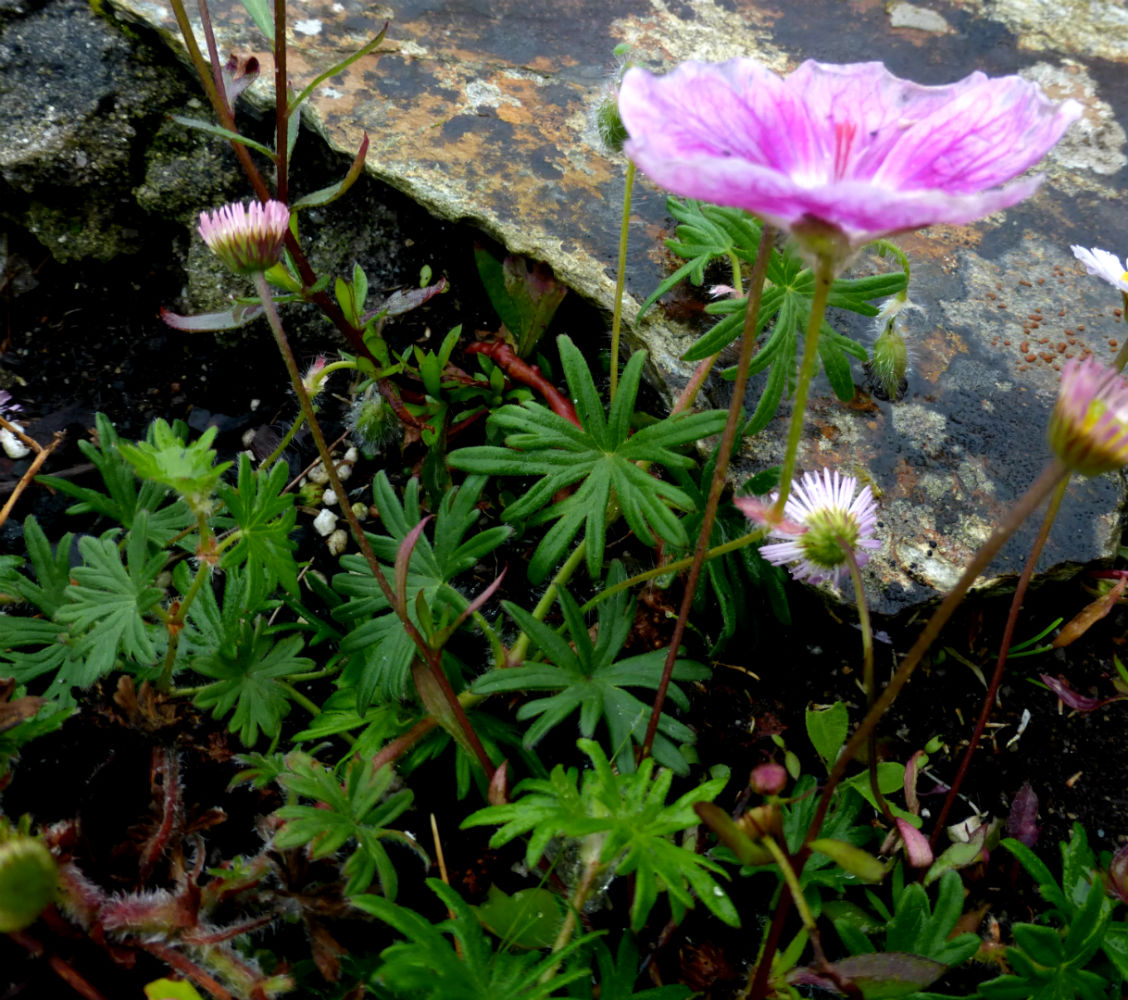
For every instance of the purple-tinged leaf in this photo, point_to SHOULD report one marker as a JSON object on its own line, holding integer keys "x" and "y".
{"x": 231, "y": 319}
{"x": 405, "y": 300}
{"x": 239, "y": 72}
{"x": 917, "y": 851}
{"x": 1022, "y": 820}
{"x": 403, "y": 562}
{"x": 912, "y": 770}
{"x": 1078, "y": 702}
{"x": 498, "y": 792}
{"x": 878, "y": 975}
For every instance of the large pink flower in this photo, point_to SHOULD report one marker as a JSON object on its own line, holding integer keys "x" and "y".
{"x": 849, "y": 146}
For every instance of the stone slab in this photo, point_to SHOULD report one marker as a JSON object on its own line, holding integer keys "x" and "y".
{"x": 484, "y": 112}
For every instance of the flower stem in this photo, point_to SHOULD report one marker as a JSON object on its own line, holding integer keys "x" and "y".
{"x": 869, "y": 680}
{"x": 431, "y": 657}
{"x": 724, "y": 451}
{"x": 588, "y": 877}
{"x": 1001, "y": 661}
{"x": 621, "y": 276}
{"x": 563, "y": 575}
{"x": 824, "y": 276}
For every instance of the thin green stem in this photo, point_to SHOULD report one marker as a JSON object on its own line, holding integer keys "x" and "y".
{"x": 284, "y": 443}
{"x": 432, "y": 657}
{"x": 867, "y": 674}
{"x": 824, "y": 276}
{"x": 729, "y": 438}
{"x": 792, "y": 881}
{"x": 563, "y": 575}
{"x": 295, "y": 695}
{"x": 675, "y": 567}
{"x": 175, "y": 625}
{"x": 621, "y": 276}
{"x": 1001, "y": 661}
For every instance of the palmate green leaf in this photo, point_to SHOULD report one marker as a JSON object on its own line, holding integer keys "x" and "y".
{"x": 249, "y": 672}
{"x": 379, "y": 649}
{"x": 634, "y": 827}
{"x": 166, "y": 457}
{"x": 124, "y": 495}
{"x": 109, "y": 599}
{"x": 601, "y": 455}
{"x": 356, "y": 811}
{"x": 587, "y": 678}
{"x": 429, "y": 966}
{"x": 264, "y": 516}
{"x": 618, "y": 975}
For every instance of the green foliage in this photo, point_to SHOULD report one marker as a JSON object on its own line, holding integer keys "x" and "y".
{"x": 628, "y": 825}
{"x": 1051, "y": 961}
{"x": 265, "y": 517}
{"x": 618, "y": 974}
{"x": 166, "y": 457}
{"x": 708, "y": 232}
{"x": 380, "y": 651}
{"x": 124, "y": 495}
{"x": 602, "y": 455}
{"x": 248, "y": 662}
{"x": 587, "y": 677}
{"x": 464, "y": 966}
{"x": 357, "y": 810}
{"x": 914, "y": 927}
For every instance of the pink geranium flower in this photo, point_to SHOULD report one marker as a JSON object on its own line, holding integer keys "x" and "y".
{"x": 246, "y": 239}
{"x": 850, "y": 148}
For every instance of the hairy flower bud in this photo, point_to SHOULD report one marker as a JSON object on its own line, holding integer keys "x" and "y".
{"x": 768, "y": 779}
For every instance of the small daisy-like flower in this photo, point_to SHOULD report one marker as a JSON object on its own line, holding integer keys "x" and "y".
{"x": 1104, "y": 265}
{"x": 1089, "y": 425}
{"x": 823, "y": 523}
{"x": 246, "y": 239}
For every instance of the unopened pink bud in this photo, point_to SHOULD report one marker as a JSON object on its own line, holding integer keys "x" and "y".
{"x": 768, "y": 779}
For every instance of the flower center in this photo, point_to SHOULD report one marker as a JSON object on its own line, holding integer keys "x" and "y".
{"x": 831, "y": 533}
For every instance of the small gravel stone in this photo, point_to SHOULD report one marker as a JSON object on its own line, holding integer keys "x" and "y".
{"x": 337, "y": 541}
{"x": 325, "y": 522}
{"x": 318, "y": 475}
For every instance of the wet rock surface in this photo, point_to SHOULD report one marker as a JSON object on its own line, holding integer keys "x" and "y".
{"x": 485, "y": 114}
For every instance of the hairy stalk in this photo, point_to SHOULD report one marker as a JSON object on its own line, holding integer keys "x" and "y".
{"x": 1029, "y": 502}
{"x": 591, "y": 872}
{"x": 432, "y": 657}
{"x": 867, "y": 675}
{"x": 716, "y": 487}
{"x": 824, "y": 276}
{"x": 174, "y": 623}
{"x": 273, "y": 457}
{"x": 621, "y": 276}
{"x": 1122, "y": 355}
{"x": 1001, "y": 661}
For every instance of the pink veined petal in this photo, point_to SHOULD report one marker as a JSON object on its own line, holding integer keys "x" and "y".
{"x": 852, "y": 146}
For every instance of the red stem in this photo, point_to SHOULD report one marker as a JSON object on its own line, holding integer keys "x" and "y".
{"x": 505, "y": 357}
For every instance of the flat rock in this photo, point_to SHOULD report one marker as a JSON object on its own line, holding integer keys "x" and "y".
{"x": 484, "y": 112}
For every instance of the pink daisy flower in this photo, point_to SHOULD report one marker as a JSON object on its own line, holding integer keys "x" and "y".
{"x": 847, "y": 151}
{"x": 1089, "y": 425}
{"x": 823, "y": 523}
{"x": 246, "y": 239}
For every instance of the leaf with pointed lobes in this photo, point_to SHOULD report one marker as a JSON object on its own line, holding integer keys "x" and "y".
{"x": 878, "y": 975}
{"x": 857, "y": 862}
{"x": 1090, "y": 615}
{"x": 728, "y": 833}
{"x": 1022, "y": 820}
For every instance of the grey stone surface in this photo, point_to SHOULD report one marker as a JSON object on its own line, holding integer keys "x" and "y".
{"x": 484, "y": 113}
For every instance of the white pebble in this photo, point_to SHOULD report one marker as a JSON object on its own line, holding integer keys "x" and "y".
{"x": 325, "y": 522}
{"x": 352, "y": 454}
{"x": 318, "y": 474}
{"x": 337, "y": 541}
{"x": 344, "y": 470}
{"x": 360, "y": 510}
{"x": 12, "y": 445}
{"x": 329, "y": 498}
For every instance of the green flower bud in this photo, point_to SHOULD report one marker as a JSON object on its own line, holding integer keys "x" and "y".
{"x": 28, "y": 875}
